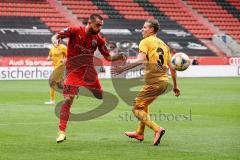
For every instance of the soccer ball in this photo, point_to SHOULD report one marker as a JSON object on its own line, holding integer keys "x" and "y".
{"x": 180, "y": 61}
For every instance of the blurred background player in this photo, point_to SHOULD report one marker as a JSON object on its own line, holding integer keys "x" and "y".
{"x": 155, "y": 54}
{"x": 80, "y": 71}
{"x": 57, "y": 54}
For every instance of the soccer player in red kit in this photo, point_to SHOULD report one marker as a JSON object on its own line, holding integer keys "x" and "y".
{"x": 80, "y": 72}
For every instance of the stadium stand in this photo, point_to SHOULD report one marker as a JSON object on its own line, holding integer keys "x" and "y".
{"x": 129, "y": 15}
{"x": 175, "y": 11}
{"x": 23, "y": 36}
{"x": 218, "y": 16}
{"x": 130, "y": 9}
{"x": 82, "y": 9}
{"x": 235, "y": 3}
{"x": 34, "y": 8}
{"x": 26, "y": 27}
{"x": 229, "y": 7}
{"x": 108, "y": 9}
{"x": 180, "y": 28}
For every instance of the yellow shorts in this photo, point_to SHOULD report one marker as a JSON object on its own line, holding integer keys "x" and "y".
{"x": 149, "y": 93}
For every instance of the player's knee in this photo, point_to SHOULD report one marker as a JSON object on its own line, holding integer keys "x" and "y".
{"x": 137, "y": 106}
{"x": 135, "y": 111}
{"x": 52, "y": 83}
{"x": 69, "y": 100}
{"x": 134, "y": 108}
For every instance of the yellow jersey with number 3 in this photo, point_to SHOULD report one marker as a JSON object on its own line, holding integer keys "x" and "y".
{"x": 158, "y": 55}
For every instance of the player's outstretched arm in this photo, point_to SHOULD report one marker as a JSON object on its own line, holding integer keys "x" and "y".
{"x": 131, "y": 63}
{"x": 66, "y": 32}
{"x": 176, "y": 90}
{"x": 116, "y": 57}
{"x": 106, "y": 53}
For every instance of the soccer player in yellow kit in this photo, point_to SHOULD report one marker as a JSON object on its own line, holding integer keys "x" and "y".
{"x": 155, "y": 54}
{"x": 57, "y": 54}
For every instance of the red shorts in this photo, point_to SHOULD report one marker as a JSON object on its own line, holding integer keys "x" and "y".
{"x": 73, "y": 89}
{"x": 82, "y": 77}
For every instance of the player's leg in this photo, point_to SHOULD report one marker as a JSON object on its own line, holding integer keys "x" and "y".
{"x": 144, "y": 117}
{"x": 65, "y": 112}
{"x": 69, "y": 93}
{"x": 147, "y": 95}
{"x": 55, "y": 82}
{"x": 96, "y": 89}
{"x": 141, "y": 125}
{"x": 139, "y": 110}
{"x": 141, "y": 98}
{"x": 64, "y": 116}
{"x": 52, "y": 95}
{"x": 139, "y": 133}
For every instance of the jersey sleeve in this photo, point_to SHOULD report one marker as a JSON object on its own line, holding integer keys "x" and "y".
{"x": 67, "y": 32}
{"x": 143, "y": 47}
{"x": 102, "y": 47}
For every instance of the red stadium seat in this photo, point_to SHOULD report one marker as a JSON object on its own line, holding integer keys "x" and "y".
{"x": 176, "y": 12}
{"x": 217, "y": 15}
{"x": 82, "y": 9}
{"x": 46, "y": 12}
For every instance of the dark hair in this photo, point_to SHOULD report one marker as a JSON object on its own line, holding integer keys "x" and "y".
{"x": 153, "y": 23}
{"x": 94, "y": 16}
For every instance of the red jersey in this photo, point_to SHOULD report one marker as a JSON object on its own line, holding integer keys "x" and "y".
{"x": 80, "y": 54}
{"x": 80, "y": 43}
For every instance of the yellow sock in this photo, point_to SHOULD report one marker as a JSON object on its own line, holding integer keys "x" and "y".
{"x": 141, "y": 128}
{"x": 145, "y": 119}
{"x": 141, "y": 125}
{"x": 52, "y": 94}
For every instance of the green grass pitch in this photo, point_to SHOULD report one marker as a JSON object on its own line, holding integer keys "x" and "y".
{"x": 28, "y": 128}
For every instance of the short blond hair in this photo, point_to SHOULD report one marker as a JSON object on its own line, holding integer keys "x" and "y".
{"x": 153, "y": 23}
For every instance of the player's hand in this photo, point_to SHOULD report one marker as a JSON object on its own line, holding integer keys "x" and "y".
{"x": 176, "y": 91}
{"x": 124, "y": 56}
{"x": 55, "y": 40}
{"x": 116, "y": 70}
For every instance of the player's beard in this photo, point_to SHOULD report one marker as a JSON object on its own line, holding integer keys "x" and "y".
{"x": 94, "y": 32}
